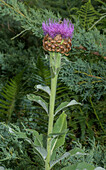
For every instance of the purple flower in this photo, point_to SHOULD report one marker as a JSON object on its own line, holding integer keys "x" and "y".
{"x": 54, "y": 28}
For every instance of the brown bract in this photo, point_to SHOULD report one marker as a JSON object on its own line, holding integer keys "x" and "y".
{"x": 57, "y": 44}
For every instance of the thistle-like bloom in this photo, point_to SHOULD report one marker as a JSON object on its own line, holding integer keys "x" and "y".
{"x": 53, "y": 28}
{"x": 58, "y": 36}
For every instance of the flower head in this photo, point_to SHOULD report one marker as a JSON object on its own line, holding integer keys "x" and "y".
{"x": 53, "y": 28}
{"x": 58, "y": 36}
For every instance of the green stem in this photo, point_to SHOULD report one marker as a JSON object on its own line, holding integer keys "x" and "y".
{"x": 55, "y": 62}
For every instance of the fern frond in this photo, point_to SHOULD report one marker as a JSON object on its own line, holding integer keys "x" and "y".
{"x": 101, "y": 2}
{"x": 9, "y": 96}
{"x": 87, "y": 15}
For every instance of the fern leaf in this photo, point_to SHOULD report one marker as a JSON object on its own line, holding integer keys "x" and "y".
{"x": 5, "y": 96}
{"x": 9, "y": 95}
{"x": 4, "y": 102}
{"x": 4, "y": 106}
{"x": 87, "y": 15}
{"x": 2, "y": 111}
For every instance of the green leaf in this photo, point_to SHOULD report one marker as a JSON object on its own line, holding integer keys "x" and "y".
{"x": 5, "y": 159}
{"x": 59, "y": 127}
{"x": 4, "y": 106}
{"x": 20, "y": 134}
{"x": 99, "y": 168}
{"x": 66, "y": 104}
{"x": 80, "y": 166}
{"x": 73, "y": 167}
{"x": 17, "y": 134}
{"x": 65, "y": 155}
{"x": 39, "y": 100}
{"x": 44, "y": 88}
{"x": 3, "y": 111}
{"x": 42, "y": 151}
{"x": 9, "y": 95}
{"x": 77, "y": 151}
{"x": 84, "y": 165}
{"x": 38, "y": 139}
{"x": 4, "y": 102}
{"x": 87, "y": 14}
{"x": 58, "y": 134}
{"x": 1, "y": 168}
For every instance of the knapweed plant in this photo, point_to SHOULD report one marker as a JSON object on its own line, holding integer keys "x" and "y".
{"x": 57, "y": 41}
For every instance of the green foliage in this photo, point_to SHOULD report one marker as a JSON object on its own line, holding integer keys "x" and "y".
{"x": 101, "y": 2}
{"x": 92, "y": 155}
{"x": 38, "y": 139}
{"x": 42, "y": 75}
{"x": 88, "y": 45}
{"x": 82, "y": 78}
{"x": 65, "y": 105}
{"x": 87, "y": 79}
{"x": 31, "y": 20}
{"x": 101, "y": 22}
{"x": 87, "y": 15}
{"x": 14, "y": 152}
{"x": 80, "y": 166}
{"x": 22, "y": 154}
{"x": 16, "y": 56}
{"x": 39, "y": 100}
{"x": 44, "y": 103}
{"x": 87, "y": 84}
{"x": 44, "y": 88}
{"x": 59, "y": 127}
{"x": 83, "y": 10}
{"x": 9, "y": 95}
{"x": 36, "y": 142}
{"x": 57, "y": 6}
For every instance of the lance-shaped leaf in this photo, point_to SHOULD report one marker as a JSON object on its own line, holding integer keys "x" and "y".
{"x": 44, "y": 88}
{"x": 39, "y": 100}
{"x": 54, "y": 135}
{"x": 59, "y": 127}
{"x": 38, "y": 138}
{"x": 66, "y": 104}
{"x": 41, "y": 151}
{"x": 80, "y": 166}
{"x": 65, "y": 155}
{"x": 77, "y": 151}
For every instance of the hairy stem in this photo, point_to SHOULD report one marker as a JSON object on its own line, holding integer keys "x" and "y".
{"x": 55, "y": 62}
